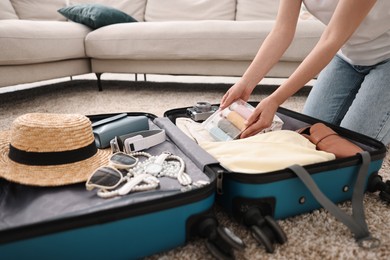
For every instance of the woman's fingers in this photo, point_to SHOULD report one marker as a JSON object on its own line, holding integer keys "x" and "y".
{"x": 225, "y": 101}
{"x": 259, "y": 120}
{"x": 254, "y": 128}
{"x": 235, "y": 92}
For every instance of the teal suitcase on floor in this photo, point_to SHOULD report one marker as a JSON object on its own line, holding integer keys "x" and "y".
{"x": 257, "y": 200}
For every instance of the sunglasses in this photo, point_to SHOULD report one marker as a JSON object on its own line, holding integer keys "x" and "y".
{"x": 121, "y": 160}
{"x": 109, "y": 177}
{"x": 105, "y": 177}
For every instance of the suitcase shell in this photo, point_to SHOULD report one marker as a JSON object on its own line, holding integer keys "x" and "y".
{"x": 281, "y": 193}
{"x": 110, "y": 229}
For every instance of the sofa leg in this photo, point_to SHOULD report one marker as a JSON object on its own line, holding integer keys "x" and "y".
{"x": 99, "y": 82}
{"x": 136, "y": 77}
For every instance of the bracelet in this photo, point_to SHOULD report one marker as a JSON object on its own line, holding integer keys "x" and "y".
{"x": 145, "y": 154}
{"x": 172, "y": 166}
{"x": 144, "y": 175}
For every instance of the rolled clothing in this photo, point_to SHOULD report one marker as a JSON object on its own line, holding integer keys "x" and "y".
{"x": 241, "y": 109}
{"x": 235, "y": 118}
{"x": 219, "y": 135}
{"x": 228, "y": 128}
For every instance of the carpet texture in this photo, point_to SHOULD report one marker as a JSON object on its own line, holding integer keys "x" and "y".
{"x": 315, "y": 235}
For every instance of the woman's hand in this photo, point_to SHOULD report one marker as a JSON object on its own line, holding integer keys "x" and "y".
{"x": 263, "y": 114}
{"x": 261, "y": 117}
{"x": 239, "y": 90}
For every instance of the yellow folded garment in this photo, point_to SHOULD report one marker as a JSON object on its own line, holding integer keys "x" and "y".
{"x": 266, "y": 152}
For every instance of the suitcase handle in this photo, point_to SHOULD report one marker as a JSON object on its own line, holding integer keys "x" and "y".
{"x": 355, "y": 222}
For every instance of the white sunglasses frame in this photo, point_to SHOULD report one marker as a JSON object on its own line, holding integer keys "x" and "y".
{"x": 93, "y": 185}
{"x": 123, "y": 166}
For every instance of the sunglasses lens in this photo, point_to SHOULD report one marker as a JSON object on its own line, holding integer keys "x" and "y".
{"x": 123, "y": 159}
{"x": 105, "y": 177}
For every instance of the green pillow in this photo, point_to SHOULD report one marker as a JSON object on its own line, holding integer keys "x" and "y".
{"x": 95, "y": 15}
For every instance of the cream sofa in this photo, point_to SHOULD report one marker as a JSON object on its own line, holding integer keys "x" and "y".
{"x": 176, "y": 37}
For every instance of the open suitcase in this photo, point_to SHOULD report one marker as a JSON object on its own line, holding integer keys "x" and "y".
{"x": 68, "y": 222}
{"x": 257, "y": 200}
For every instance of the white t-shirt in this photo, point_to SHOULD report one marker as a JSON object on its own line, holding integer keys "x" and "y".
{"x": 370, "y": 43}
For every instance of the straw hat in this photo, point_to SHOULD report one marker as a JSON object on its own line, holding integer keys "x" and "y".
{"x": 44, "y": 149}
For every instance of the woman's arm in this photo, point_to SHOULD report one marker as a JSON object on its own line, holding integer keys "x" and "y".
{"x": 345, "y": 20}
{"x": 275, "y": 44}
{"x": 273, "y": 47}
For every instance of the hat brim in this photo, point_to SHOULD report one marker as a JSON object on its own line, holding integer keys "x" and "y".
{"x": 52, "y": 175}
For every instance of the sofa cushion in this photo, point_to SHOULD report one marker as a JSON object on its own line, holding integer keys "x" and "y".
{"x": 173, "y": 10}
{"x": 134, "y": 8}
{"x": 256, "y": 10}
{"x": 39, "y": 10}
{"x": 95, "y": 15}
{"x": 27, "y": 42}
{"x": 7, "y": 11}
{"x": 197, "y": 40}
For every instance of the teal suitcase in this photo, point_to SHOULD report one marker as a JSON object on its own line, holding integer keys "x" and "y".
{"x": 257, "y": 200}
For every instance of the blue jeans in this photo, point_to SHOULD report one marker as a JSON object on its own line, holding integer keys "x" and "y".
{"x": 354, "y": 97}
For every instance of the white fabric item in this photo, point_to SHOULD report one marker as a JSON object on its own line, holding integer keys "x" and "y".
{"x": 173, "y": 10}
{"x": 7, "y": 11}
{"x": 134, "y": 8}
{"x": 27, "y": 42}
{"x": 39, "y": 10}
{"x": 266, "y": 152}
{"x": 194, "y": 130}
{"x": 370, "y": 43}
{"x": 205, "y": 40}
{"x": 256, "y": 10}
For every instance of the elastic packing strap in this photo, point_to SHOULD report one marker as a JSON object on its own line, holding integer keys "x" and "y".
{"x": 191, "y": 149}
{"x": 356, "y": 222}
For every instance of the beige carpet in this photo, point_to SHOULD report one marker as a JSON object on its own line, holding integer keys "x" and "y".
{"x": 315, "y": 235}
